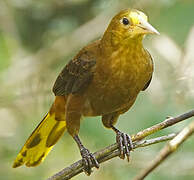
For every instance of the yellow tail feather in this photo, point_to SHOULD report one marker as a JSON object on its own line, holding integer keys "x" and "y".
{"x": 40, "y": 142}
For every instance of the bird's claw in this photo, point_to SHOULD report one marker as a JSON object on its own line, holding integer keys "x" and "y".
{"x": 88, "y": 161}
{"x": 125, "y": 144}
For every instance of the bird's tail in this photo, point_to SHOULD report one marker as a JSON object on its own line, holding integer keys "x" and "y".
{"x": 44, "y": 137}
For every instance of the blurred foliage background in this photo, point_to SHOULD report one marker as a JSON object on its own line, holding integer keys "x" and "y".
{"x": 37, "y": 38}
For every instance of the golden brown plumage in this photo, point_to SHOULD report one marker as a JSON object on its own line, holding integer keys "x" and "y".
{"x": 103, "y": 79}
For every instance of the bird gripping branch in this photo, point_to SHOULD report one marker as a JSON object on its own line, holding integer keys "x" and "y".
{"x": 103, "y": 79}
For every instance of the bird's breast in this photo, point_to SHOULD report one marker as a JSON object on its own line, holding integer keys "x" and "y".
{"x": 118, "y": 80}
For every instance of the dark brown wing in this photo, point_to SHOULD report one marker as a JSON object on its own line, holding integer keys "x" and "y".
{"x": 148, "y": 83}
{"x": 75, "y": 77}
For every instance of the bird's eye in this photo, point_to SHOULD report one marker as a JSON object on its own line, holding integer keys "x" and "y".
{"x": 125, "y": 21}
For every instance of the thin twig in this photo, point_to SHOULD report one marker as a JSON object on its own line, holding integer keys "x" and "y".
{"x": 170, "y": 147}
{"x": 110, "y": 151}
{"x": 166, "y": 123}
{"x": 76, "y": 168}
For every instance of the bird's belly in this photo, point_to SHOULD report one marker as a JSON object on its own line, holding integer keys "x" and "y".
{"x": 111, "y": 97}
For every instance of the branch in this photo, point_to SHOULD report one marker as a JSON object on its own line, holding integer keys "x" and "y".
{"x": 112, "y": 150}
{"x": 167, "y": 150}
{"x": 76, "y": 167}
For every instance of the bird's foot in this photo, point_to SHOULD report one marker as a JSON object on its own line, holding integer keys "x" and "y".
{"x": 125, "y": 144}
{"x": 88, "y": 161}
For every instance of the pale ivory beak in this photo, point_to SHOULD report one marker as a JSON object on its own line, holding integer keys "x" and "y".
{"x": 148, "y": 27}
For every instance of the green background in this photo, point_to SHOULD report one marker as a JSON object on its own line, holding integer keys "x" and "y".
{"x": 37, "y": 38}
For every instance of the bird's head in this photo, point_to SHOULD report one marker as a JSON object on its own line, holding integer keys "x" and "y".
{"x": 129, "y": 24}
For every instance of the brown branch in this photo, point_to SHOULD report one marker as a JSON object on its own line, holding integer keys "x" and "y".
{"x": 76, "y": 168}
{"x": 112, "y": 150}
{"x": 170, "y": 147}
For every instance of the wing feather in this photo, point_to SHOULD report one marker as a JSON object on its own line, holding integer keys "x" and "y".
{"x": 75, "y": 77}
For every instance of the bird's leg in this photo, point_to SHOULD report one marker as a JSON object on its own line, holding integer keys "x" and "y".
{"x": 73, "y": 113}
{"x": 88, "y": 158}
{"x": 124, "y": 142}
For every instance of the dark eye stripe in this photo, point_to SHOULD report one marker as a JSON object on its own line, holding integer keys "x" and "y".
{"x": 125, "y": 21}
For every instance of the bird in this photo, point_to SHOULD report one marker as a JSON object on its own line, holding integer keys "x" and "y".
{"x": 103, "y": 79}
